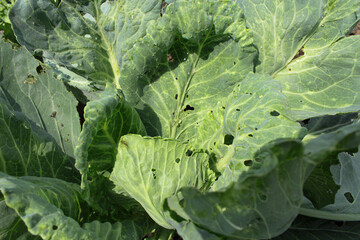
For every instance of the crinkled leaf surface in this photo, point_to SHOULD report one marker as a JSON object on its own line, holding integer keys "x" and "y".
{"x": 106, "y": 120}
{"x": 189, "y": 60}
{"x": 305, "y": 228}
{"x": 262, "y": 204}
{"x": 52, "y": 209}
{"x": 48, "y": 206}
{"x": 152, "y": 169}
{"x": 88, "y": 37}
{"x": 43, "y": 100}
{"x": 120, "y": 230}
{"x": 11, "y": 225}
{"x": 325, "y": 82}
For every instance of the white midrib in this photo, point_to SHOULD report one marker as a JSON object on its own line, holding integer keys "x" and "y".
{"x": 112, "y": 56}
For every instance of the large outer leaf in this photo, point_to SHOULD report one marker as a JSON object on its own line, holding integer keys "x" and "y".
{"x": 88, "y": 37}
{"x": 320, "y": 187}
{"x": 27, "y": 150}
{"x": 11, "y": 225}
{"x": 280, "y": 27}
{"x": 305, "y": 228}
{"x": 189, "y": 60}
{"x": 52, "y": 209}
{"x": 38, "y": 202}
{"x": 346, "y": 206}
{"x": 152, "y": 169}
{"x": 325, "y": 82}
{"x": 127, "y": 230}
{"x": 255, "y": 113}
{"x": 39, "y": 96}
{"x": 338, "y": 20}
{"x": 262, "y": 204}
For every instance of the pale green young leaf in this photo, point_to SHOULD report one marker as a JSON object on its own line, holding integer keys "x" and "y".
{"x": 88, "y": 37}
{"x": 152, "y": 169}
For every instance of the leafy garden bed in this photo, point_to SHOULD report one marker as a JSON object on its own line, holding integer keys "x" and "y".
{"x": 146, "y": 119}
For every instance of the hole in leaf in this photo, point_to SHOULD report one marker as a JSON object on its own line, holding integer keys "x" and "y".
{"x": 187, "y": 96}
{"x": 153, "y": 170}
{"x": 238, "y": 110}
{"x": 289, "y": 69}
{"x": 299, "y": 53}
{"x": 223, "y": 107}
{"x": 176, "y": 96}
{"x": 53, "y": 115}
{"x": 248, "y": 163}
{"x": 30, "y": 79}
{"x": 54, "y": 227}
{"x": 176, "y": 78}
{"x": 339, "y": 223}
{"x": 306, "y": 121}
{"x": 228, "y": 139}
{"x": 189, "y": 153}
{"x": 177, "y": 160}
{"x": 250, "y": 135}
{"x": 188, "y": 108}
{"x": 349, "y": 197}
{"x": 154, "y": 175}
{"x": 40, "y": 69}
{"x": 255, "y": 129}
{"x": 274, "y": 113}
{"x": 80, "y": 109}
{"x": 234, "y": 63}
{"x": 262, "y": 197}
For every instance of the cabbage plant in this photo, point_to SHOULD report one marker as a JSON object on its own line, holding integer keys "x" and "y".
{"x": 205, "y": 119}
